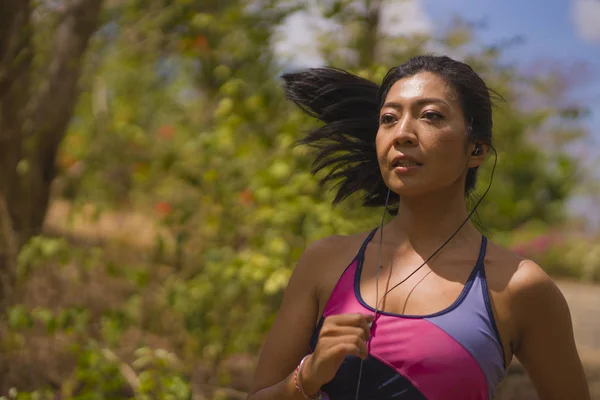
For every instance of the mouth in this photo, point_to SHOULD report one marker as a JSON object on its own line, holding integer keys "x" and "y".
{"x": 405, "y": 163}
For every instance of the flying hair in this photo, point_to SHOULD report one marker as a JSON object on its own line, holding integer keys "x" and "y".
{"x": 345, "y": 144}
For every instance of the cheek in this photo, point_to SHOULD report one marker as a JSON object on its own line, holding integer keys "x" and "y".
{"x": 444, "y": 144}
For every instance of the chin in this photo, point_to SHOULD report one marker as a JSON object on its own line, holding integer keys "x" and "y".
{"x": 408, "y": 190}
{"x": 443, "y": 193}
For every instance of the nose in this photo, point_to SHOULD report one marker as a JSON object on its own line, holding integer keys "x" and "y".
{"x": 405, "y": 134}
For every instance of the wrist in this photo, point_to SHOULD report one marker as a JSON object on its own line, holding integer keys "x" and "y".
{"x": 307, "y": 380}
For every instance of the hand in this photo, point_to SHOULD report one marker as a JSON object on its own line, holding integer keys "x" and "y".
{"x": 340, "y": 336}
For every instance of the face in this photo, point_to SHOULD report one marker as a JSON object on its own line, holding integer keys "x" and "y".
{"x": 421, "y": 141}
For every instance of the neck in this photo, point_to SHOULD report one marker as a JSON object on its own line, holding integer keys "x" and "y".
{"x": 427, "y": 222}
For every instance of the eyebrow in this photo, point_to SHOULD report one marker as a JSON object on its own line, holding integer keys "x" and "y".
{"x": 419, "y": 102}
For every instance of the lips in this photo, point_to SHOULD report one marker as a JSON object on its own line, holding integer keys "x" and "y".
{"x": 404, "y": 160}
{"x": 406, "y": 163}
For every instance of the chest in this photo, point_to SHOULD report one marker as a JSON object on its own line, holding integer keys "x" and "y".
{"x": 416, "y": 358}
{"x": 453, "y": 350}
{"x": 426, "y": 293}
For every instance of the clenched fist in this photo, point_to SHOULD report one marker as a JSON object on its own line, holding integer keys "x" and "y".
{"x": 340, "y": 336}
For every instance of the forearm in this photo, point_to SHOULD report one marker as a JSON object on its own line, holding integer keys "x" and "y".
{"x": 286, "y": 389}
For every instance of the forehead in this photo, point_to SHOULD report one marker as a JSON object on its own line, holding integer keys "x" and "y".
{"x": 422, "y": 85}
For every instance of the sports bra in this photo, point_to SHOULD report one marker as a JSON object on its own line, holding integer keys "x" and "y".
{"x": 453, "y": 354}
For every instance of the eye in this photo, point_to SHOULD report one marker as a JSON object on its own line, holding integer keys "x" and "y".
{"x": 387, "y": 119}
{"x": 432, "y": 116}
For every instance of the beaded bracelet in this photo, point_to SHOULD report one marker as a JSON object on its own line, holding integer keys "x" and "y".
{"x": 317, "y": 396}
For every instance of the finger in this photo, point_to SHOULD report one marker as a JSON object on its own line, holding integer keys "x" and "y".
{"x": 336, "y": 331}
{"x": 358, "y": 345}
{"x": 347, "y": 346}
{"x": 364, "y": 350}
{"x": 366, "y": 328}
{"x": 349, "y": 319}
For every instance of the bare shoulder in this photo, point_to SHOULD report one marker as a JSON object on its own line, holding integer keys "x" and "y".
{"x": 325, "y": 259}
{"x": 516, "y": 276}
{"x": 531, "y": 280}
{"x": 537, "y": 301}
{"x": 519, "y": 287}
{"x": 539, "y": 321}
{"x": 322, "y": 255}
{"x": 331, "y": 245}
{"x": 522, "y": 279}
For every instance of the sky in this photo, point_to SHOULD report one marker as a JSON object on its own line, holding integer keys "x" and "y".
{"x": 560, "y": 32}
{"x": 554, "y": 33}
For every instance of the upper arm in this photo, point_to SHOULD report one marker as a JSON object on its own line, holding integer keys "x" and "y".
{"x": 545, "y": 344}
{"x": 289, "y": 338}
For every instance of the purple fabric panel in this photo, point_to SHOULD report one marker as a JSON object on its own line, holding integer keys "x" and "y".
{"x": 470, "y": 325}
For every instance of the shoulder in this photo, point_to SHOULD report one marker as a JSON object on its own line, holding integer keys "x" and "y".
{"x": 531, "y": 280}
{"x": 531, "y": 294}
{"x": 537, "y": 301}
{"x": 520, "y": 277}
{"x": 327, "y": 244}
{"x": 543, "y": 338}
{"x": 329, "y": 248}
{"x": 324, "y": 260}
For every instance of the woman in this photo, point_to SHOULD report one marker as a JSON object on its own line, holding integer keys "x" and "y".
{"x": 423, "y": 307}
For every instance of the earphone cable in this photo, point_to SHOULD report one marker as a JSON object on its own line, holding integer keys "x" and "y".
{"x": 377, "y": 300}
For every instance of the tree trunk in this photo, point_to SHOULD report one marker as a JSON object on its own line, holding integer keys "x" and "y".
{"x": 15, "y": 70}
{"x": 368, "y": 40}
{"x": 33, "y": 121}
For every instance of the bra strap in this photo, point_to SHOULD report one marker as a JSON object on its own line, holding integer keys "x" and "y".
{"x": 367, "y": 240}
{"x": 480, "y": 263}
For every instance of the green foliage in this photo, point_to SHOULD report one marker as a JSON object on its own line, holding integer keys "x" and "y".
{"x": 184, "y": 121}
{"x": 14, "y": 394}
{"x": 574, "y": 257}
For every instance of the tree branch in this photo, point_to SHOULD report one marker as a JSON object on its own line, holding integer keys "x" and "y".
{"x": 125, "y": 369}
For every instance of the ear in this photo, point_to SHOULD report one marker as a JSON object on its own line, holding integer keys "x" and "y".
{"x": 477, "y": 154}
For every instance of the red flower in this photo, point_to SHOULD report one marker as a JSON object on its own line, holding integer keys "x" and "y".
{"x": 166, "y": 131}
{"x": 246, "y": 197}
{"x": 520, "y": 249}
{"x": 162, "y": 208}
{"x": 200, "y": 42}
{"x": 541, "y": 243}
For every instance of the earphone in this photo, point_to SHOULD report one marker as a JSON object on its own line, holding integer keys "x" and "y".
{"x": 478, "y": 150}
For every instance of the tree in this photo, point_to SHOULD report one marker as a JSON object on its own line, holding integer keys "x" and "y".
{"x": 38, "y": 92}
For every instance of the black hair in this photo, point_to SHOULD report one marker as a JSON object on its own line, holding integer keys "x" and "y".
{"x": 349, "y": 106}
